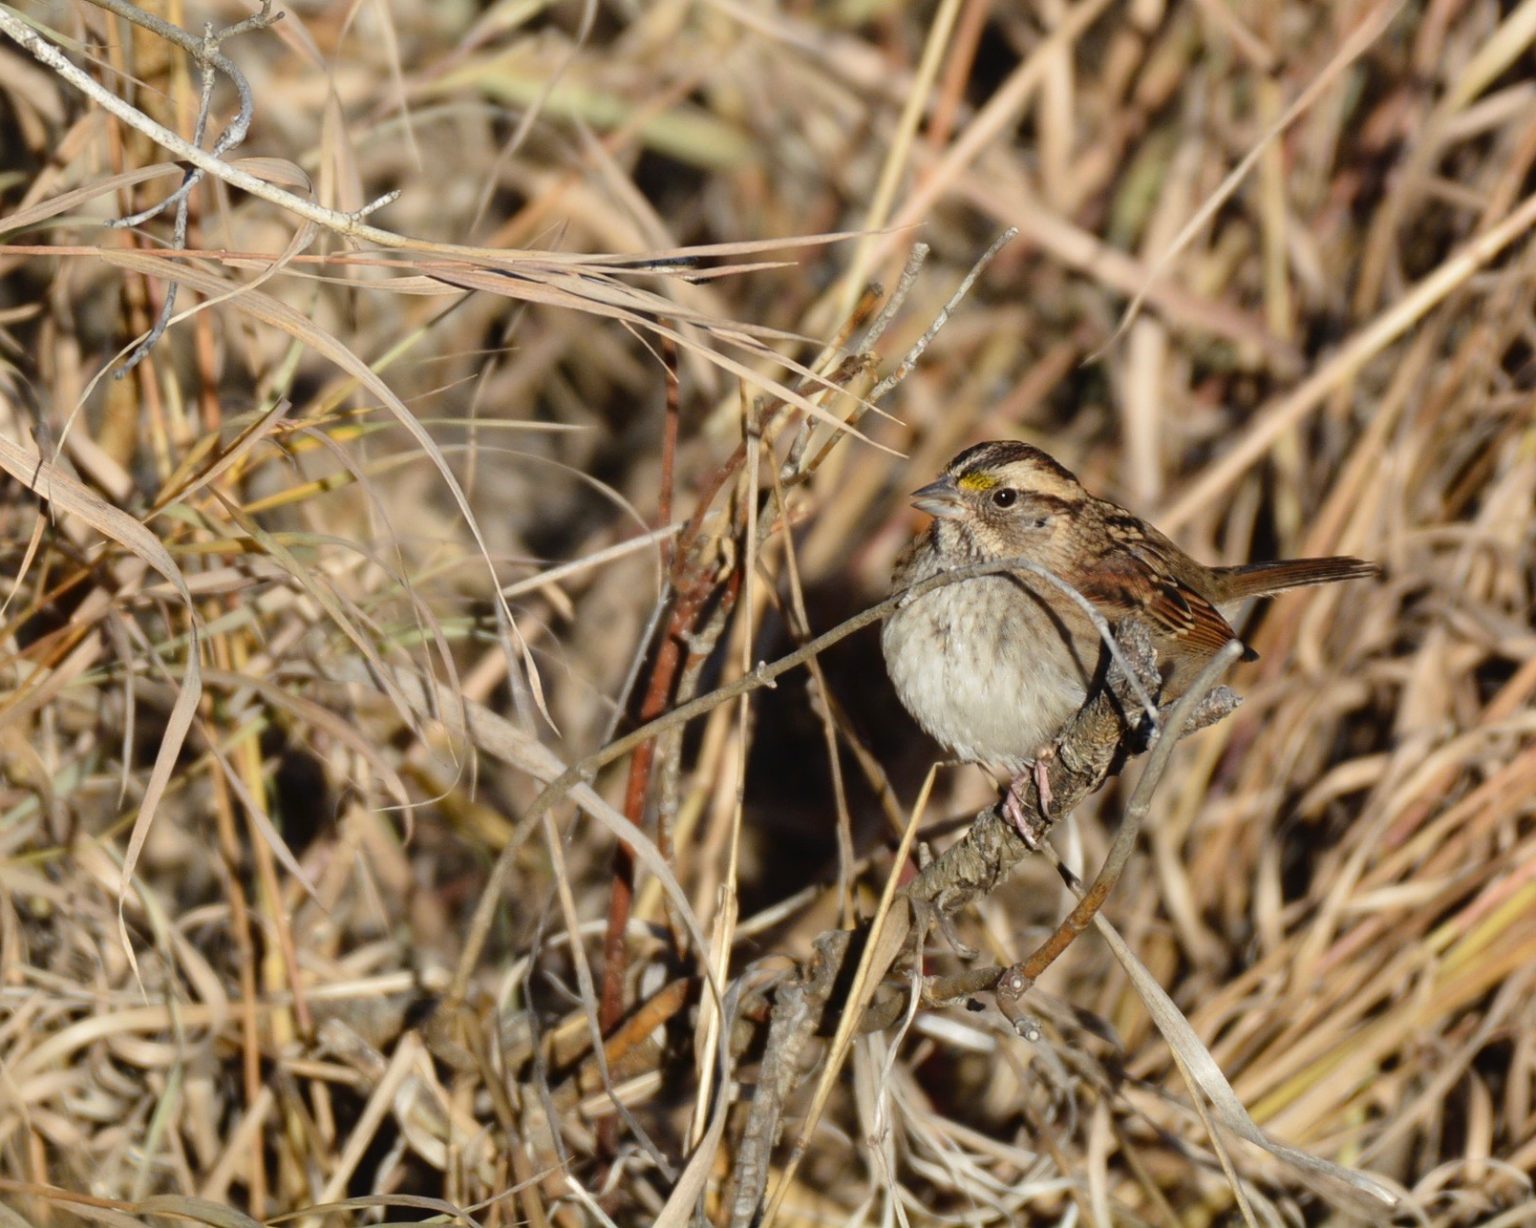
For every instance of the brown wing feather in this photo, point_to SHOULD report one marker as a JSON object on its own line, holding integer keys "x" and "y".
{"x": 1127, "y": 584}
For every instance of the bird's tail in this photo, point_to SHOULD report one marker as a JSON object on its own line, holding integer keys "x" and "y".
{"x": 1262, "y": 579}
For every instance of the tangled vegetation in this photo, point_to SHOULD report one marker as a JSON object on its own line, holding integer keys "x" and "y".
{"x": 453, "y": 453}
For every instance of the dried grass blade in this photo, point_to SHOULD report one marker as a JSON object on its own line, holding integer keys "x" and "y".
{"x": 1360, "y": 1192}
{"x": 263, "y": 822}
{"x": 640, "y": 314}
{"x": 328, "y": 601}
{"x": 243, "y": 443}
{"x": 24, "y": 219}
{"x": 67, "y": 493}
{"x": 271, "y": 311}
{"x": 198, "y": 1210}
{"x": 1356, "y": 45}
{"x": 888, "y": 932}
{"x": 362, "y": 1202}
{"x": 320, "y": 717}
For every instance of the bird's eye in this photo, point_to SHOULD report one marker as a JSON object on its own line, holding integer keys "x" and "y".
{"x": 1006, "y": 497}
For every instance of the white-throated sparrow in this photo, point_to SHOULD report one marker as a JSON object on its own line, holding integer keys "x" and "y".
{"x": 995, "y": 666}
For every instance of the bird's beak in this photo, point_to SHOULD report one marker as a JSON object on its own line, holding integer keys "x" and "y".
{"x": 941, "y": 499}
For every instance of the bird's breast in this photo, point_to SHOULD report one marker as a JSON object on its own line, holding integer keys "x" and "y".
{"x": 985, "y": 668}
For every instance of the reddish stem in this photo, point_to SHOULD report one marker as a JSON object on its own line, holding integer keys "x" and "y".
{"x": 663, "y": 675}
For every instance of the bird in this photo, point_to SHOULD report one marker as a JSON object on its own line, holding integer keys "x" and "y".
{"x": 995, "y": 666}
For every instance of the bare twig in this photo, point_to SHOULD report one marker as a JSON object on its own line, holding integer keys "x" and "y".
{"x": 793, "y": 468}
{"x": 349, "y": 225}
{"x": 909, "y": 360}
{"x": 210, "y": 60}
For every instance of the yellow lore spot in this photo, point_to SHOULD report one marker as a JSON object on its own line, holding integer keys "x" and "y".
{"x": 977, "y": 481}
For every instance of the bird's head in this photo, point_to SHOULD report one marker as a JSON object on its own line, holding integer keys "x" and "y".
{"x": 1000, "y": 500}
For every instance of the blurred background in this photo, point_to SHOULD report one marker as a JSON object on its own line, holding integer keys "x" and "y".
{"x": 513, "y": 462}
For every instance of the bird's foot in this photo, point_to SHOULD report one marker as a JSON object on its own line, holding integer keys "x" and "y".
{"x": 1031, "y": 826}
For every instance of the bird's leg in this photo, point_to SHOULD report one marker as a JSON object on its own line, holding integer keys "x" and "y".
{"x": 1031, "y": 828}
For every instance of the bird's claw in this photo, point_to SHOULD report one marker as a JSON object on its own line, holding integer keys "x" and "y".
{"x": 1031, "y": 825}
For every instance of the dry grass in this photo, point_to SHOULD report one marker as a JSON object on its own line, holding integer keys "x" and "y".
{"x": 272, "y": 742}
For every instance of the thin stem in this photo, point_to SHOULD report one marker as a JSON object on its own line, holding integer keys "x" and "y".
{"x": 206, "y": 52}
{"x": 346, "y": 224}
{"x": 922, "y": 343}
{"x": 794, "y": 469}
{"x": 909, "y": 359}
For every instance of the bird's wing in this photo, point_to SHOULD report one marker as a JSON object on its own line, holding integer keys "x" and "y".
{"x": 1133, "y": 582}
